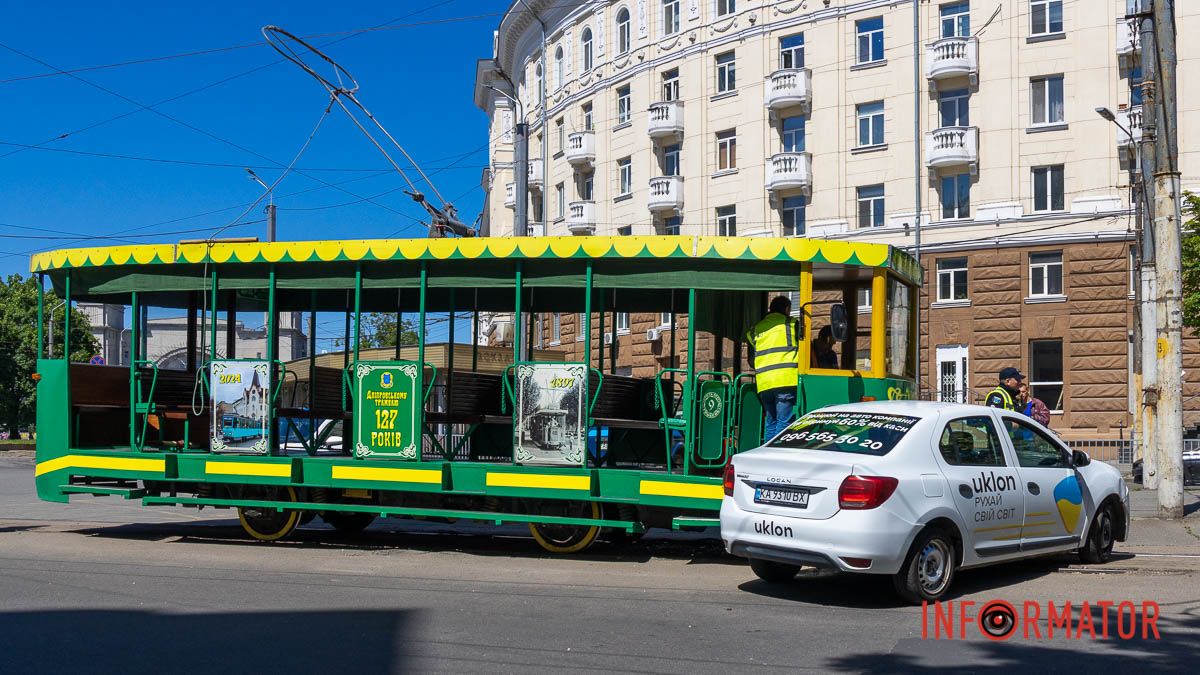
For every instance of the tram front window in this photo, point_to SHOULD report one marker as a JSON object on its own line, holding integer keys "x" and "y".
{"x": 901, "y": 359}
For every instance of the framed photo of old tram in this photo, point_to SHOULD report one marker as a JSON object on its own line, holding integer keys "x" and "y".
{"x": 240, "y": 393}
{"x": 550, "y": 414}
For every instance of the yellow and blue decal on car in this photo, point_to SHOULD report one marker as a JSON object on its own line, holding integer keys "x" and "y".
{"x": 1069, "y": 499}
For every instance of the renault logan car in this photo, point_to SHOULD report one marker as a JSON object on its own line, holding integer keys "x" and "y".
{"x": 916, "y": 490}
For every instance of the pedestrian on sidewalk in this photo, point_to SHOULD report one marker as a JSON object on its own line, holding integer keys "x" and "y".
{"x": 1005, "y": 394}
{"x": 1033, "y": 407}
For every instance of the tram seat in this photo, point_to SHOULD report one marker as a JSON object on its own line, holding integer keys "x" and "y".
{"x": 474, "y": 399}
{"x": 175, "y": 397}
{"x": 326, "y": 384}
{"x": 625, "y": 406}
{"x": 100, "y": 404}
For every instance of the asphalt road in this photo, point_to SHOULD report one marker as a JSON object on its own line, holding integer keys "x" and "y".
{"x": 103, "y": 585}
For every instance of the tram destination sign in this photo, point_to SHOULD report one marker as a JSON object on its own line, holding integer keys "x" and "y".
{"x": 550, "y": 415}
{"x": 241, "y": 405}
{"x": 385, "y": 409}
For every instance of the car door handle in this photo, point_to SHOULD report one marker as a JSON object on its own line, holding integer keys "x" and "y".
{"x": 965, "y": 490}
{"x": 1034, "y": 489}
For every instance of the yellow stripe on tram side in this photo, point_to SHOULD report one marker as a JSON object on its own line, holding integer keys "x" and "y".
{"x": 539, "y": 481}
{"x": 248, "y": 469}
{"x": 431, "y": 476}
{"x": 115, "y": 463}
{"x": 663, "y": 488}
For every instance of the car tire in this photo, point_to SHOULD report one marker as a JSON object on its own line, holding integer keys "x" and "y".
{"x": 1097, "y": 549}
{"x": 773, "y": 572}
{"x": 929, "y": 567}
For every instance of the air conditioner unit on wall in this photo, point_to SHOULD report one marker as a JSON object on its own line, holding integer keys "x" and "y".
{"x": 608, "y": 338}
{"x": 653, "y": 335}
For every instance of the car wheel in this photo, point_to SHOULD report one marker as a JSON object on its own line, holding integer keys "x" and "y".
{"x": 929, "y": 568}
{"x": 774, "y": 572}
{"x": 1098, "y": 547}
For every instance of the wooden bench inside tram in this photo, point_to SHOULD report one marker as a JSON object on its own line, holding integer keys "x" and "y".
{"x": 473, "y": 400}
{"x": 100, "y": 406}
{"x": 626, "y": 407}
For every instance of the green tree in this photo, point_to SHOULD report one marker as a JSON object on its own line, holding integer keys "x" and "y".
{"x": 1191, "y": 260}
{"x": 18, "y": 347}
{"x": 379, "y": 330}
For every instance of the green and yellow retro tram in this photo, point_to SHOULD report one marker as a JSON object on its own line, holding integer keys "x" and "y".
{"x": 567, "y": 445}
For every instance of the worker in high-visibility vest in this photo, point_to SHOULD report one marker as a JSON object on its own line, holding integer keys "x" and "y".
{"x": 775, "y": 357}
{"x": 1005, "y": 394}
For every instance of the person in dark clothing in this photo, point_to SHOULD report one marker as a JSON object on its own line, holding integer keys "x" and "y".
{"x": 823, "y": 355}
{"x": 1033, "y": 407}
{"x": 1005, "y": 394}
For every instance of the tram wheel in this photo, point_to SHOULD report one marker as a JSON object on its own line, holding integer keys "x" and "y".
{"x": 565, "y": 539}
{"x": 268, "y": 523}
{"x": 348, "y": 522}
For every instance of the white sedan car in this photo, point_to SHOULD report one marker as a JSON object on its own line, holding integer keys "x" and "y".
{"x": 917, "y": 490}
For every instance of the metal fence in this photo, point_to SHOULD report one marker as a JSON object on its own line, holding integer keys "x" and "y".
{"x": 1106, "y": 450}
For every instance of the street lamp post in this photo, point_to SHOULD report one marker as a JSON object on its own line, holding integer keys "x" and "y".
{"x": 270, "y": 204}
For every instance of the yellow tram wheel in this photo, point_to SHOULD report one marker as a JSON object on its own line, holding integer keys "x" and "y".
{"x": 271, "y": 532}
{"x": 580, "y": 537}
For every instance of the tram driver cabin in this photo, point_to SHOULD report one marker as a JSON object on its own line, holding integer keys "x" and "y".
{"x": 566, "y": 445}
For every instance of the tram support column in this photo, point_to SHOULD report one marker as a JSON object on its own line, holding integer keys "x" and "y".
{"x": 212, "y": 345}
{"x": 878, "y": 322}
{"x": 41, "y": 300}
{"x": 420, "y": 421}
{"x": 516, "y": 322}
{"x": 587, "y": 317}
{"x": 689, "y": 441}
{"x": 450, "y": 352}
{"x": 135, "y": 312}
{"x": 272, "y": 354}
{"x": 66, "y": 352}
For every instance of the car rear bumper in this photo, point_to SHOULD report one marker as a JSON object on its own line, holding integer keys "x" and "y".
{"x": 877, "y": 535}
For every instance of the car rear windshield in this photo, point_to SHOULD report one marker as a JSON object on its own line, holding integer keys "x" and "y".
{"x": 846, "y": 431}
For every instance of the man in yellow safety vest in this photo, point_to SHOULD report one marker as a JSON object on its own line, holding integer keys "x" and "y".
{"x": 775, "y": 357}
{"x": 1004, "y": 395}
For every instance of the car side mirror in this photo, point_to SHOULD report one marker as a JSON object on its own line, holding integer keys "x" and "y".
{"x": 1080, "y": 458}
{"x": 839, "y": 325}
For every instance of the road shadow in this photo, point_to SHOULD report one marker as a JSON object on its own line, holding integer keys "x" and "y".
{"x": 18, "y": 528}
{"x": 126, "y": 641}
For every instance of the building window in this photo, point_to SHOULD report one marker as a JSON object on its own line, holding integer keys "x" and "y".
{"x": 665, "y": 319}
{"x": 952, "y": 374}
{"x": 621, "y": 322}
{"x": 580, "y": 326}
{"x": 624, "y": 176}
{"x": 951, "y": 279}
{"x": 555, "y": 328}
{"x": 587, "y": 117}
{"x": 726, "y": 150}
{"x": 670, "y": 17}
{"x": 870, "y": 124}
{"x": 541, "y": 82}
{"x": 956, "y": 19}
{"x": 956, "y": 196}
{"x": 671, "y": 225}
{"x": 726, "y": 221}
{"x": 585, "y": 187}
{"x": 870, "y": 39}
{"x": 1046, "y": 95}
{"x": 792, "y": 213}
{"x": 1045, "y": 17}
{"x": 670, "y": 82}
{"x": 560, "y": 134}
{"x": 586, "y": 48}
{"x": 954, "y": 108}
{"x": 1045, "y": 274}
{"x": 670, "y": 160}
{"x": 537, "y": 331}
{"x": 536, "y": 203}
{"x": 726, "y": 7}
{"x": 1135, "y": 86}
{"x": 1046, "y": 372}
{"x": 559, "y": 69}
{"x": 624, "y": 105}
{"x": 792, "y": 129}
{"x": 560, "y": 205}
{"x": 623, "y": 33}
{"x": 1048, "y": 188}
{"x": 870, "y": 206}
{"x": 791, "y": 51}
{"x": 726, "y": 72}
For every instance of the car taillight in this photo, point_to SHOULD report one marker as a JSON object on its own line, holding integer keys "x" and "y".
{"x": 865, "y": 492}
{"x": 727, "y": 482}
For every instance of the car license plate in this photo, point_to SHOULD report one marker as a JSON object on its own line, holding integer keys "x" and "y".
{"x": 781, "y": 496}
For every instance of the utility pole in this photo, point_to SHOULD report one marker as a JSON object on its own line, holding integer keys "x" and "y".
{"x": 1147, "y": 251}
{"x": 521, "y": 182}
{"x": 271, "y": 221}
{"x": 1167, "y": 226}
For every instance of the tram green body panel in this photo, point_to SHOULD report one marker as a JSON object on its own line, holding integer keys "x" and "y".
{"x": 818, "y": 391}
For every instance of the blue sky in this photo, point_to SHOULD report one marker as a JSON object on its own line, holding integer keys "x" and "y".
{"x": 418, "y": 80}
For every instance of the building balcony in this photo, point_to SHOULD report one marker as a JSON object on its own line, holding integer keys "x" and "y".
{"x": 666, "y": 119}
{"x": 581, "y": 148}
{"x": 952, "y": 57}
{"x": 790, "y": 171}
{"x": 510, "y": 195}
{"x": 1129, "y": 40}
{"x": 1131, "y": 119}
{"x": 581, "y": 217}
{"x": 952, "y": 147}
{"x": 789, "y": 87}
{"x": 666, "y": 194}
{"x": 535, "y": 173}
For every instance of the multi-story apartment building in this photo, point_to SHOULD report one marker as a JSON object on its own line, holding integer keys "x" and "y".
{"x": 824, "y": 118}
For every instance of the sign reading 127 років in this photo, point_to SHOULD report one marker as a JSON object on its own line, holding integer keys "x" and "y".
{"x": 385, "y": 410}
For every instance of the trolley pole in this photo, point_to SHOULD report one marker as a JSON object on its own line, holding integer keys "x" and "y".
{"x": 521, "y": 182}
{"x": 1168, "y": 223}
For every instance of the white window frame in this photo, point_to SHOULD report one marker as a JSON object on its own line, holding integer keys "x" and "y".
{"x": 559, "y": 67}
{"x": 587, "y": 187}
{"x": 670, "y": 17}
{"x": 868, "y": 114}
{"x": 1033, "y": 384}
{"x": 793, "y": 140}
{"x": 952, "y": 271}
{"x": 1040, "y": 260}
{"x": 876, "y": 206}
{"x": 958, "y": 357}
{"x": 664, "y": 320}
{"x": 724, "y": 7}
{"x": 556, "y": 328}
{"x": 624, "y": 32}
{"x": 588, "y": 124}
{"x": 864, "y": 300}
{"x": 624, "y": 104}
{"x": 727, "y": 221}
{"x": 726, "y": 72}
{"x": 670, "y": 85}
{"x": 560, "y": 134}
{"x": 560, "y": 195}
{"x": 955, "y": 20}
{"x": 864, "y": 56}
{"x": 621, "y": 323}
{"x": 798, "y": 216}
{"x": 1046, "y": 6}
{"x": 585, "y": 44}
{"x": 960, "y": 99}
{"x": 1040, "y": 91}
{"x": 958, "y": 210}
{"x": 727, "y": 150}
{"x": 579, "y": 325}
{"x": 624, "y": 176}
{"x": 671, "y": 158}
{"x": 1046, "y": 173}
{"x": 791, "y": 57}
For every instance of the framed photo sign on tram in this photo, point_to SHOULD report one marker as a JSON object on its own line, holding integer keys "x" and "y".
{"x": 240, "y": 402}
{"x": 550, "y": 415}
{"x": 386, "y": 410}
